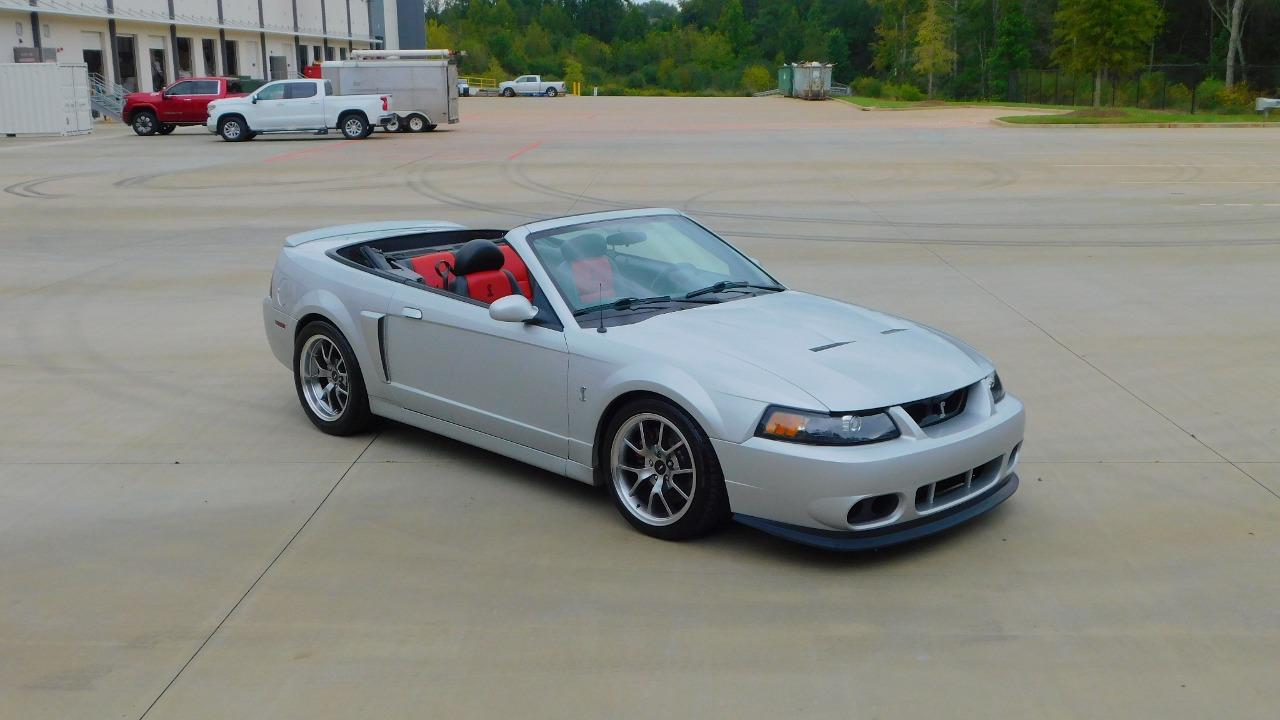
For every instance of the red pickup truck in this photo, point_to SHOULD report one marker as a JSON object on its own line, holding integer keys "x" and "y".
{"x": 185, "y": 102}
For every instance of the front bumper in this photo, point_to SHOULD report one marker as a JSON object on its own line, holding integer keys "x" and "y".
{"x": 928, "y": 478}
{"x": 892, "y": 534}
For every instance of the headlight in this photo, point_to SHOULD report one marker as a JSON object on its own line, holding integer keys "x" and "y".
{"x": 813, "y": 428}
{"x": 997, "y": 387}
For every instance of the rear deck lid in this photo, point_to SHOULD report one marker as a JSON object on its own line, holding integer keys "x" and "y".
{"x": 369, "y": 230}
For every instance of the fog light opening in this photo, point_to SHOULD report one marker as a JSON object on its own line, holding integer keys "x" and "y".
{"x": 873, "y": 509}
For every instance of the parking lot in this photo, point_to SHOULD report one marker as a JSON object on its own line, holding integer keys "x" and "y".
{"x": 179, "y": 542}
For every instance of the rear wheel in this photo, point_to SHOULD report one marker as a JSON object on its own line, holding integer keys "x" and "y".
{"x": 145, "y": 123}
{"x": 354, "y": 127}
{"x": 663, "y": 474}
{"x": 328, "y": 380}
{"x": 416, "y": 123}
{"x": 167, "y": 128}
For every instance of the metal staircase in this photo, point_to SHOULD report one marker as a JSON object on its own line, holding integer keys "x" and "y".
{"x": 105, "y": 98}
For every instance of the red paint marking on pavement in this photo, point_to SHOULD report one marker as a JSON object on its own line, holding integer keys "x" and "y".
{"x": 523, "y": 150}
{"x": 317, "y": 148}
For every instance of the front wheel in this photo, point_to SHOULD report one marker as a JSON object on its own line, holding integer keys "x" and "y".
{"x": 663, "y": 474}
{"x": 327, "y": 378}
{"x": 552, "y": 92}
{"x": 145, "y": 123}
{"x": 233, "y": 129}
{"x": 354, "y": 127}
{"x": 508, "y": 92}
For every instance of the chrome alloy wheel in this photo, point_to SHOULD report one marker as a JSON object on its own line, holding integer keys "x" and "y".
{"x": 325, "y": 383}
{"x": 353, "y": 127}
{"x": 652, "y": 468}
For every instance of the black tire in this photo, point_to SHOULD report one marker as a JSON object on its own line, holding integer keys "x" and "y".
{"x": 508, "y": 92}
{"x": 708, "y": 503}
{"x": 354, "y": 126}
{"x": 394, "y": 124}
{"x": 355, "y": 416}
{"x": 429, "y": 128}
{"x": 144, "y": 123}
{"x": 167, "y": 128}
{"x": 416, "y": 123}
{"x": 233, "y": 129}
{"x": 552, "y": 92}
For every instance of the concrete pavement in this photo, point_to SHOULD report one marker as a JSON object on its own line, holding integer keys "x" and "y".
{"x": 178, "y": 542}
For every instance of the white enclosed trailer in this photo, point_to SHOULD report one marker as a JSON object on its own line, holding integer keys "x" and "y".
{"x": 423, "y": 84}
{"x": 44, "y": 99}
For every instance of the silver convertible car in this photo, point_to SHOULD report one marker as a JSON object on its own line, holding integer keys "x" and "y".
{"x": 639, "y": 351}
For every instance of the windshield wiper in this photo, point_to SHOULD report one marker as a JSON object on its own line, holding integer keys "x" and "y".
{"x": 729, "y": 285}
{"x": 625, "y": 303}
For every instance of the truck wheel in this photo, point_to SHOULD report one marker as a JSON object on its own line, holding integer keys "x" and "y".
{"x": 233, "y": 129}
{"x": 508, "y": 92}
{"x": 417, "y": 123}
{"x": 552, "y": 92}
{"x": 167, "y": 128}
{"x": 145, "y": 123}
{"x": 394, "y": 124}
{"x": 354, "y": 127}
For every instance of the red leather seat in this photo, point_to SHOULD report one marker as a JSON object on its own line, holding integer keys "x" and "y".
{"x": 518, "y": 269}
{"x": 479, "y": 273}
{"x": 433, "y": 273}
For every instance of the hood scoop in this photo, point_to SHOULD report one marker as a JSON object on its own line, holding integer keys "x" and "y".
{"x": 891, "y": 331}
{"x": 820, "y": 348}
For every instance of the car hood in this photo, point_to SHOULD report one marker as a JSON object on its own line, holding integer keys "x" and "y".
{"x": 137, "y": 97}
{"x": 847, "y": 357}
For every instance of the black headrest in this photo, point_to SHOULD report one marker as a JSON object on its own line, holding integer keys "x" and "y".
{"x": 582, "y": 247}
{"x": 477, "y": 256}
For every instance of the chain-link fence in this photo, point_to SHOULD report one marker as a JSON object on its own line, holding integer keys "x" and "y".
{"x": 1177, "y": 88}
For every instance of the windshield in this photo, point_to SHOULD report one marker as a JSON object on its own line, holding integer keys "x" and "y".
{"x": 645, "y": 257}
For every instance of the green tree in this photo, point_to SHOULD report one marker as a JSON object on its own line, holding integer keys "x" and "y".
{"x": 1104, "y": 36}
{"x": 1012, "y": 50}
{"x": 933, "y": 53}
{"x": 892, "y": 47}
{"x": 733, "y": 25}
{"x": 757, "y": 78}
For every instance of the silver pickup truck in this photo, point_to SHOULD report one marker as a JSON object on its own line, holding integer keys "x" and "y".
{"x": 530, "y": 85}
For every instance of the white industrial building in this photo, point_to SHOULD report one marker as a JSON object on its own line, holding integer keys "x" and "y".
{"x": 145, "y": 44}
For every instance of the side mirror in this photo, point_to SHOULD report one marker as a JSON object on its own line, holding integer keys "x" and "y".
{"x": 512, "y": 308}
{"x": 254, "y": 99}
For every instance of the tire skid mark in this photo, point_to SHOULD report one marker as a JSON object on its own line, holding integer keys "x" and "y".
{"x": 27, "y": 188}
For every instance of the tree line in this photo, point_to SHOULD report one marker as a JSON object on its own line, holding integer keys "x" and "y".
{"x": 963, "y": 49}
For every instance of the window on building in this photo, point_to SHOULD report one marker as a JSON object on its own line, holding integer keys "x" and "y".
{"x": 328, "y": 53}
{"x": 316, "y": 53}
{"x": 209, "y": 50}
{"x": 233, "y": 58}
{"x": 183, "y": 48}
{"x": 342, "y": 53}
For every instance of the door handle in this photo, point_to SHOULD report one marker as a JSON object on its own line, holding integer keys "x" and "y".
{"x": 409, "y": 312}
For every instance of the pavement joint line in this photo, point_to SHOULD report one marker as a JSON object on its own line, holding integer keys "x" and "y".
{"x": 261, "y": 575}
{"x": 1104, "y": 374}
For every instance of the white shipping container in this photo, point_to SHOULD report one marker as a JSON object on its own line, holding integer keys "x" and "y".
{"x": 44, "y": 99}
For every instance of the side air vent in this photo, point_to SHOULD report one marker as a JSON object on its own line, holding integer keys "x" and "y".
{"x": 820, "y": 348}
{"x": 891, "y": 331}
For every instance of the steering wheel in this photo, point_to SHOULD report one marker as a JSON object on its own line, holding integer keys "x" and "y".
{"x": 669, "y": 280}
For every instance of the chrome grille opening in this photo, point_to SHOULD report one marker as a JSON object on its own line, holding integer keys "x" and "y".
{"x": 948, "y": 490}
{"x": 939, "y": 408}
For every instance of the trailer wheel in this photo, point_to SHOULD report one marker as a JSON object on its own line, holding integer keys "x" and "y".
{"x": 416, "y": 123}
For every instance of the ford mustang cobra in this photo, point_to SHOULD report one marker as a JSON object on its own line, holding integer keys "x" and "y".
{"x": 639, "y": 351}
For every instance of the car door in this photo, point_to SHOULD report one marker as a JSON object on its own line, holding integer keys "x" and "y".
{"x": 448, "y": 359}
{"x": 195, "y": 108}
{"x": 525, "y": 84}
{"x": 270, "y": 109}
{"x": 303, "y": 108}
{"x": 174, "y": 99}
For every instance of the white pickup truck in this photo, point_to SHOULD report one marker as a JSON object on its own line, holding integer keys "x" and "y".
{"x": 298, "y": 106}
{"x": 530, "y": 85}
